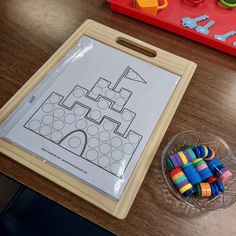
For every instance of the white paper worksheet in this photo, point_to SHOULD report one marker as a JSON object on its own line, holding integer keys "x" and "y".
{"x": 93, "y": 114}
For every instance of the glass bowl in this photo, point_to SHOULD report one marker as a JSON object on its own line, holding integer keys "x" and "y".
{"x": 223, "y": 153}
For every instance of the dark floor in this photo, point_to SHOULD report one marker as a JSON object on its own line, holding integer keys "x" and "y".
{"x": 8, "y": 188}
{"x": 24, "y": 212}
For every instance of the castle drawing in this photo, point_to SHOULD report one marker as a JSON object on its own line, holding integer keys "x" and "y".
{"x": 92, "y": 124}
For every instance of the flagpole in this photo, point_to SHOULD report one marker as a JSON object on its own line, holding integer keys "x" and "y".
{"x": 121, "y": 77}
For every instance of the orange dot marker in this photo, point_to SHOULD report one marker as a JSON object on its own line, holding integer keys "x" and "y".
{"x": 150, "y": 7}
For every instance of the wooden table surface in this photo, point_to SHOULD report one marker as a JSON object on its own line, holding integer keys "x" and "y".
{"x": 31, "y": 31}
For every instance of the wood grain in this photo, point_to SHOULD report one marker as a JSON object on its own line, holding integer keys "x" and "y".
{"x": 31, "y": 31}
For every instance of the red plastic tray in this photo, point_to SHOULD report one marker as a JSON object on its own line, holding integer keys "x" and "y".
{"x": 170, "y": 19}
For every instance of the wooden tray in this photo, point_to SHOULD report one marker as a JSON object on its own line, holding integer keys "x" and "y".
{"x": 163, "y": 59}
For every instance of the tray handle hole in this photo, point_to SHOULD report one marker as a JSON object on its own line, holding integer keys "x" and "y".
{"x": 136, "y": 47}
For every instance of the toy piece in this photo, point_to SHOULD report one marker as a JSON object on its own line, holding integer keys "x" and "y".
{"x": 170, "y": 164}
{"x": 189, "y": 154}
{"x": 197, "y": 152}
{"x": 223, "y": 37}
{"x": 198, "y": 190}
{"x": 191, "y": 173}
{"x": 213, "y": 190}
{"x": 181, "y": 181}
{"x": 190, "y": 192}
{"x": 203, "y": 150}
{"x": 211, "y": 154}
{"x": 220, "y": 186}
{"x": 203, "y": 190}
{"x": 200, "y": 151}
{"x": 212, "y": 179}
{"x": 217, "y": 191}
{"x": 209, "y": 190}
{"x": 204, "y": 29}
{"x": 202, "y": 168}
{"x": 219, "y": 170}
{"x": 192, "y": 22}
{"x": 228, "y": 3}
{"x": 180, "y": 158}
{"x": 150, "y": 7}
